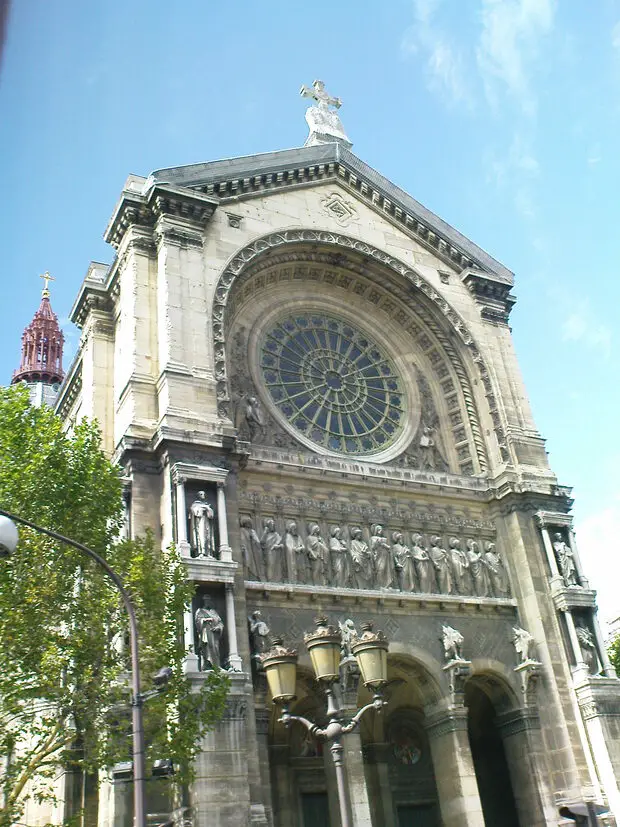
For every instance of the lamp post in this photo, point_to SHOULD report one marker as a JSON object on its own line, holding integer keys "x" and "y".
{"x": 323, "y": 644}
{"x": 8, "y": 543}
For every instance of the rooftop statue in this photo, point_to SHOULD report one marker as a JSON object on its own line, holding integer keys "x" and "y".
{"x": 325, "y": 125}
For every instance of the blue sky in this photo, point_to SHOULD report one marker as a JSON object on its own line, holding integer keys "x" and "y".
{"x": 502, "y": 116}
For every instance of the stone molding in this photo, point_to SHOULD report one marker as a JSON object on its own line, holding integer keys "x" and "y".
{"x": 183, "y": 472}
{"x": 517, "y": 721}
{"x": 342, "y": 244}
{"x": 207, "y": 569}
{"x": 442, "y": 722}
{"x": 598, "y": 696}
{"x": 495, "y": 299}
{"x": 566, "y": 598}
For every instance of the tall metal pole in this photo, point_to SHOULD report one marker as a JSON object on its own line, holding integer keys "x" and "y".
{"x": 136, "y": 699}
{"x": 336, "y": 750}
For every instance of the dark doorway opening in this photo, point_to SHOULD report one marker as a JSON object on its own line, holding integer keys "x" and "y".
{"x": 417, "y": 815}
{"x": 315, "y": 809}
{"x": 487, "y": 749}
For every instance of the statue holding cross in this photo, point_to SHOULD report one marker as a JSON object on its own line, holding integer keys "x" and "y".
{"x": 325, "y": 125}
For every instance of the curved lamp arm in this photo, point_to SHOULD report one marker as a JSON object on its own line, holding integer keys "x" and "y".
{"x": 377, "y": 704}
{"x": 287, "y": 719}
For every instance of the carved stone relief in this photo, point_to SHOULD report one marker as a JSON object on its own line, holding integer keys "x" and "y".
{"x": 349, "y": 556}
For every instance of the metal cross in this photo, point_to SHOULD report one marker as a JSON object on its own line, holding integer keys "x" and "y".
{"x": 318, "y": 93}
{"x": 47, "y": 278}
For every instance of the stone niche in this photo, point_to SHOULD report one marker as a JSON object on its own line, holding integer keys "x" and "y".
{"x": 216, "y": 602}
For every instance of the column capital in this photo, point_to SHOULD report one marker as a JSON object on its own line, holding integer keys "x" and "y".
{"x": 517, "y": 721}
{"x": 440, "y": 722}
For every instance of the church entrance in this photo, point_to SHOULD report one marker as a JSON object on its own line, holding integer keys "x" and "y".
{"x": 417, "y": 815}
{"x": 315, "y": 809}
{"x": 490, "y": 764}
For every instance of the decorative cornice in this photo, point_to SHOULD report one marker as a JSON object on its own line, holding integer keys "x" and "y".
{"x": 183, "y": 472}
{"x": 494, "y": 297}
{"x": 144, "y": 209}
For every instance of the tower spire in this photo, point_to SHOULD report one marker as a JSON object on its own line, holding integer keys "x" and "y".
{"x": 42, "y": 344}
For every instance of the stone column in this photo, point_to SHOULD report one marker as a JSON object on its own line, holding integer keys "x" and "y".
{"x": 523, "y": 748}
{"x": 262, "y": 739}
{"x": 572, "y": 542}
{"x": 181, "y": 512}
{"x": 457, "y": 787}
{"x": 285, "y": 807}
{"x": 380, "y": 790}
{"x": 225, "y": 551}
{"x": 608, "y": 669}
{"x": 556, "y": 577}
{"x": 353, "y": 757}
{"x": 220, "y": 794}
{"x": 234, "y": 659}
{"x": 190, "y": 664}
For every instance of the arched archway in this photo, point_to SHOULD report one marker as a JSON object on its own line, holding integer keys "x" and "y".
{"x": 453, "y": 349}
{"x": 399, "y": 769}
{"x": 501, "y": 752}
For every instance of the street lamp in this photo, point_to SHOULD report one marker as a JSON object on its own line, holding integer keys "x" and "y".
{"x": 323, "y": 644}
{"x": 8, "y": 543}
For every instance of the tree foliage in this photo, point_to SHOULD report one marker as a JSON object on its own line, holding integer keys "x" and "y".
{"x": 614, "y": 654}
{"x": 64, "y": 696}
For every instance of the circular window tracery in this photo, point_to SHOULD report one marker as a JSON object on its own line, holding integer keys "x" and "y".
{"x": 333, "y": 383}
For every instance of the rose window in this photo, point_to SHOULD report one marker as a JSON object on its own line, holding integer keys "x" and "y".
{"x": 333, "y": 383}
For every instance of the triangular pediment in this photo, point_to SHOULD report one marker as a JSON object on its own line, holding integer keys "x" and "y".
{"x": 242, "y": 177}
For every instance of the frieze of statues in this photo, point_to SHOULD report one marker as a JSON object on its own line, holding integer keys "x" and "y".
{"x": 370, "y": 557}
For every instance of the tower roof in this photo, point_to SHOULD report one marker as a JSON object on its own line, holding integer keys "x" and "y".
{"x": 42, "y": 343}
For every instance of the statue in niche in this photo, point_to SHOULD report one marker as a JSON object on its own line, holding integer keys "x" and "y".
{"x": 249, "y": 419}
{"x": 338, "y": 554}
{"x": 497, "y": 572}
{"x": 201, "y": 517}
{"x": 588, "y": 648}
{"x": 452, "y": 643}
{"x": 566, "y": 561}
{"x": 522, "y": 641}
{"x": 273, "y": 550}
{"x": 259, "y": 635}
{"x": 423, "y": 564}
{"x": 403, "y": 562}
{"x": 209, "y": 630}
{"x": 430, "y": 456}
{"x": 477, "y": 569}
{"x": 349, "y": 633}
{"x": 317, "y": 554}
{"x": 382, "y": 556}
{"x": 361, "y": 559}
{"x": 251, "y": 549}
{"x": 295, "y": 554}
{"x": 441, "y": 564}
{"x": 460, "y": 566}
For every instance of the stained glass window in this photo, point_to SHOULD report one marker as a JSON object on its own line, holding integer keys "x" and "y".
{"x": 333, "y": 383}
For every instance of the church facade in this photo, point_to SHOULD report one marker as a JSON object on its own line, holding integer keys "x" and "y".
{"x": 310, "y": 383}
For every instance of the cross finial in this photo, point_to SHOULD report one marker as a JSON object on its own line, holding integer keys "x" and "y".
{"x": 47, "y": 278}
{"x": 321, "y": 117}
{"x": 317, "y": 92}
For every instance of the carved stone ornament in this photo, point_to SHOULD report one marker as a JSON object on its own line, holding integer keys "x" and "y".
{"x": 452, "y": 643}
{"x": 522, "y": 641}
{"x": 324, "y": 124}
{"x": 339, "y": 208}
{"x": 259, "y": 635}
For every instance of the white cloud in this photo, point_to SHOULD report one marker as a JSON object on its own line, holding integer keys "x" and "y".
{"x": 444, "y": 61}
{"x": 508, "y": 46}
{"x": 582, "y": 325}
{"x": 598, "y": 537}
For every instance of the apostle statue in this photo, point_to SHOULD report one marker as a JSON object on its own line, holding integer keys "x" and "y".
{"x": 566, "y": 560}
{"x": 382, "y": 556}
{"x": 452, "y": 643}
{"x": 338, "y": 554}
{"x": 273, "y": 551}
{"x": 361, "y": 560}
{"x": 251, "y": 550}
{"x": 348, "y": 633}
{"x": 441, "y": 564}
{"x": 295, "y": 554}
{"x": 259, "y": 635}
{"x": 477, "y": 569}
{"x": 423, "y": 565}
{"x": 460, "y": 566}
{"x": 588, "y": 648}
{"x": 522, "y": 641}
{"x": 209, "y": 631}
{"x": 497, "y": 573}
{"x": 317, "y": 554}
{"x": 201, "y": 518}
{"x": 403, "y": 562}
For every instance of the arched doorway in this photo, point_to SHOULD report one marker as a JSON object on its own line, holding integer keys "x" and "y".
{"x": 400, "y": 774}
{"x": 485, "y": 698}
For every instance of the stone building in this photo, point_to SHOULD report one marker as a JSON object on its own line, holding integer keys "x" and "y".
{"x": 310, "y": 383}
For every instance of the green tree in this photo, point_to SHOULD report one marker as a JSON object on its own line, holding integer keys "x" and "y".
{"x": 614, "y": 654}
{"x": 63, "y": 666}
